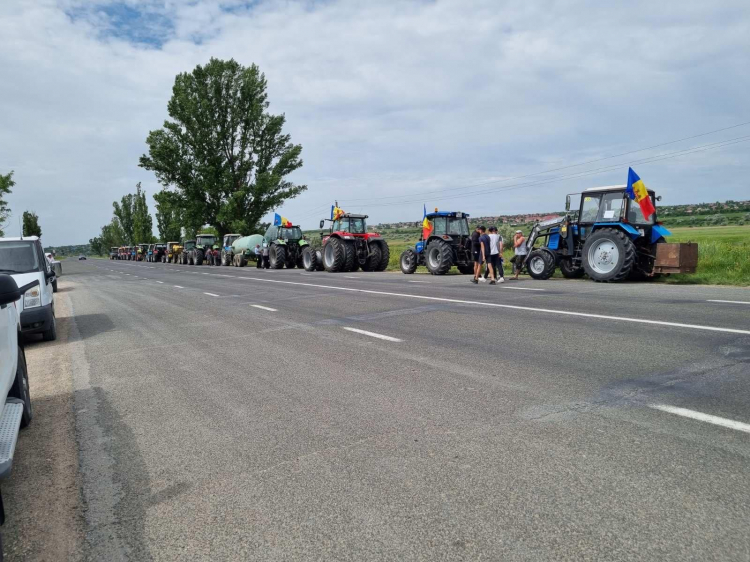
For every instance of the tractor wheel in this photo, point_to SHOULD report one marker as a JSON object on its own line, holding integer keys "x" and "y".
{"x": 319, "y": 260}
{"x": 438, "y": 257}
{"x": 277, "y": 256}
{"x": 198, "y": 259}
{"x": 466, "y": 269}
{"x": 569, "y": 271}
{"x": 385, "y": 256}
{"x": 373, "y": 260}
{"x": 408, "y": 261}
{"x": 608, "y": 255}
{"x": 351, "y": 256}
{"x": 242, "y": 261}
{"x": 541, "y": 264}
{"x": 224, "y": 258}
{"x": 300, "y": 264}
{"x": 334, "y": 255}
{"x": 309, "y": 259}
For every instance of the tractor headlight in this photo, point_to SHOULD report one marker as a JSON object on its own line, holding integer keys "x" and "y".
{"x": 32, "y": 298}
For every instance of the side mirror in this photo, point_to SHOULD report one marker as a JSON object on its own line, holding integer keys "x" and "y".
{"x": 8, "y": 290}
{"x": 567, "y": 202}
{"x": 49, "y": 274}
{"x": 322, "y": 223}
{"x": 658, "y": 197}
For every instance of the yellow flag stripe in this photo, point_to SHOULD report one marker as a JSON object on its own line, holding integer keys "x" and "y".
{"x": 639, "y": 188}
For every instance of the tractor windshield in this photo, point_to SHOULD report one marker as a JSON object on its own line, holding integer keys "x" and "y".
{"x": 611, "y": 207}
{"x": 355, "y": 225}
{"x": 635, "y": 215}
{"x": 206, "y": 240}
{"x": 189, "y": 245}
{"x": 291, "y": 233}
{"x": 450, "y": 225}
{"x": 229, "y": 240}
{"x": 590, "y": 208}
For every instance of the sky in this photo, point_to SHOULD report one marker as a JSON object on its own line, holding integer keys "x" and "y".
{"x": 483, "y": 106}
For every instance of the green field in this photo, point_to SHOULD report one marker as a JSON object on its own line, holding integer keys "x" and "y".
{"x": 723, "y": 254}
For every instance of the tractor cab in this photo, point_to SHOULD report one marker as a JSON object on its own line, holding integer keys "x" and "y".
{"x": 353, "y": 224}
{"x": 189, "y": 245}
{"x": 229, "y": 240}
{"x": 205, "y": 240}
{"x": 283, "y": 233}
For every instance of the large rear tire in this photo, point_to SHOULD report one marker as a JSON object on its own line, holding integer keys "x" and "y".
{"x": 608, "y": 255}
{"x": 334, "y": 255}
{"x": 408, "y": 261}
{"x": 438, "y": 257}
{"x": 319, "y": 260}
{"x": 385, "y": 256}
{"x": 373, "y": 260}
{"x": 309, "y": 259}
{"x": 277, "y": 256}
{"x": 540, "y": 264}
{"x": 569, "y": 271}
{"x": 351, "y": 257}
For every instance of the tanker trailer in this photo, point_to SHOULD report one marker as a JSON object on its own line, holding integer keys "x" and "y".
{"x": 243, "y": 249}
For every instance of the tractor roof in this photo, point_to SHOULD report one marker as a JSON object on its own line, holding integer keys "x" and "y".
{"x": 353, "y": 216}
{"x": 609, "y": 188}
{"x": 446, "y": 214}
{"x": 233, "y": 234}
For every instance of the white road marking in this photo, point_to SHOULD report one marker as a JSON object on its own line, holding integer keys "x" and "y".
{"x": 372, "y": 334}
{"x": 730, "y": 302}
{"x": 269, "y": 309}
{"x": 351, "y": 277}
{"x": 306, "y": 274}
{"x": 417, "y": 281}
{"x": 206, "y": 274}
{"x": 162, "y": 282}
{"x": 522, "y": 288}
{"x": 513, "y": 307}
{"x": 700, "y": 416}
{"x": 211, "y": 294}
{"x": 127, "y": 274}
{"x": 178, "y": 287}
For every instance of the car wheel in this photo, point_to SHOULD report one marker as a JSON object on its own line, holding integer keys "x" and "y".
{"x": 20, "y": 388}
{"x": 51, "y": 333}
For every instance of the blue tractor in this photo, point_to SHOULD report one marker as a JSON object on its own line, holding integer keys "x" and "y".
{"x": 607, "y": 238}
{"x": 446, "y": 245}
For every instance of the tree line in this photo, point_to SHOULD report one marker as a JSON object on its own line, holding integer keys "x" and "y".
{"x": 29, "y": 221}
{"x": 222, "y": 160}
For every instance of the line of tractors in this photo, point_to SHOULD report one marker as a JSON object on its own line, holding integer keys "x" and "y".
{"x": 606, "y": 237}
{"x": 346, "y": 246}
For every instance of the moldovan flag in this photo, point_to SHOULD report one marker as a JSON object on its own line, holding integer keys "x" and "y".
{"x": 426, "y": 224}
{"x": 637, "y": 192}
{"x": 278, "y": 220}
{"x": 336, "y": 213}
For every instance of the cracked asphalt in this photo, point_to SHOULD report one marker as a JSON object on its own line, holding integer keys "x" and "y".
{"x": 514, "y": 422}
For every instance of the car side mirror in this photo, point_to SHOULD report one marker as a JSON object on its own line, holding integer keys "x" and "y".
{"x": 9, "y": 291}
{"x": 49, "y": 274}
{"x": 567, "y": 202}
{"x": 322, "y": 223}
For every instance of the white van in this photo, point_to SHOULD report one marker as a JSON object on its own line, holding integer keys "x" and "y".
{"x": 24, "y": 260}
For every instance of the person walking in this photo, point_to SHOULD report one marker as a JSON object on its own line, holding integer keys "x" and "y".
{"x": 519, "y": 246}
{"x": 495, "y": 263}
{"x": 258, "y": 257}
{"x": 266, "y": 258}
{"x": 476, "y": 253}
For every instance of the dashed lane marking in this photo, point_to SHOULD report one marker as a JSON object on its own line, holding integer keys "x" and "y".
{"x": 700, "y": 416}
{"x": 268, "y": 308}
{"x": 178, "y": 287}
{"x": 372, "y": 334}
{"x": 211, "y": 294}
{"x": 161, "y": 282}
{"x": 730, "y": 302}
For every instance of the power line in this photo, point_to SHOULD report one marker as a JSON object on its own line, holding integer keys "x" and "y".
{"x": 553, "y": 169}
{"x": 647, "y": 160}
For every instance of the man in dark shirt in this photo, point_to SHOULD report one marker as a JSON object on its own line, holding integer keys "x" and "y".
{"x": 486, "y": 248}
{"x": 476, "y": 252}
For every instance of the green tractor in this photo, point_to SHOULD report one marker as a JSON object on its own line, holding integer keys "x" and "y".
{"x": 285, "y": 246}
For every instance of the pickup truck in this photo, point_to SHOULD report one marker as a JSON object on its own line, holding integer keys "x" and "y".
{"x": 15, "y": 401}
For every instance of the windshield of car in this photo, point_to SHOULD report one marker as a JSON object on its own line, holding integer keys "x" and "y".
{"x": 293, "y": 233}
{"x": 18, "y": 257}
{"x": 635, "y": 215}
{"x": 611, "y": 207}
{"x": 206, "y": 240}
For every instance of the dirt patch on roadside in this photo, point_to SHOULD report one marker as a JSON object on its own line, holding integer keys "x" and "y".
{"x": 42, "y": 497}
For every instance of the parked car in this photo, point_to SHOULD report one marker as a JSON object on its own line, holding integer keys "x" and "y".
{"x": 15, "y": 402}
{"x": 23, "y": 259}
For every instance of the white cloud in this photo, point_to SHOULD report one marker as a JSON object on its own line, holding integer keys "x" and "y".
{"x": 387, "y": 98}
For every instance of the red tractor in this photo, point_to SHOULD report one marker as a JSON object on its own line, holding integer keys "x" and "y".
{"x": 347, "y": 246}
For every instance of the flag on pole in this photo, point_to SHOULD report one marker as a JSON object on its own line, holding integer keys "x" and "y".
{"x": 336, "y": 212}
{"x": 278, "y": 220}
{"x": 637, "y": 192}
{"x": 426, "y": 224}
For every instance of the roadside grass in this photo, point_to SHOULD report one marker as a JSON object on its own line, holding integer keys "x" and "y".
{"x": 723, "y": 254}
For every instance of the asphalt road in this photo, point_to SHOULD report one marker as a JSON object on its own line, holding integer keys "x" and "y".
{"x": 237, "y": 414}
